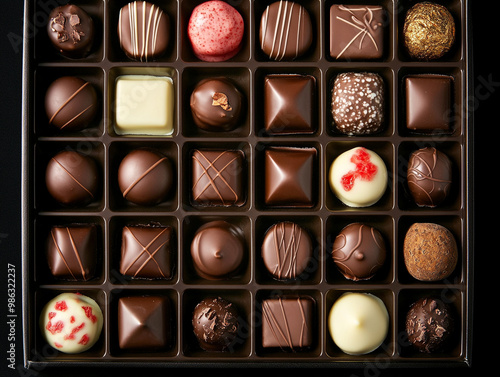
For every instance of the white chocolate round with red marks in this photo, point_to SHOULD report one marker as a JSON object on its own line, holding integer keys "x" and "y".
{"x": 71, "y": 322}
{"x": 358, "y": 177}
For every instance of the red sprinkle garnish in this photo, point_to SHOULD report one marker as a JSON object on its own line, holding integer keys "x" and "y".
{"x": 72, "y": 319}
{"x": 55, "y": 328}
{"x": 52, "y": 315}
{"x": 365, "y": 170}
{"x": 88, "y": 313}
{"x": 84, "y": 340}
{"x": 58, "y": 345}
{"x": 61, "y": 305}
{"x": 71, "y": 336}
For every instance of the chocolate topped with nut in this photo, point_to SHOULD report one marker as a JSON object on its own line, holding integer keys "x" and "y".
{"x": 71, "y": 31}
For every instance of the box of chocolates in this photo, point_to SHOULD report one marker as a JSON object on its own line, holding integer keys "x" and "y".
{"x": 247, "y": 182}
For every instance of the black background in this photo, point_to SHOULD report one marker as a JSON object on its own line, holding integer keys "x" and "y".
{"x": 486, "y": 42}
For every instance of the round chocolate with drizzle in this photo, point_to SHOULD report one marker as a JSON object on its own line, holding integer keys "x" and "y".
{"x": 71, "y": 31}
{"x": 72, "y": 178}
{"x": 145, "y": 177}
{"x": 216, "y": 104}
{"x": 71, "y": 103}
{"x": 285, "y": 31}
{"x": 359, "y": 251}
{"x": 143, "y": 30}
{"x": 286, "y": 250}
{"x": 215, "y": 324}
{"x": 217, "y": 250}
{"x": 429, "y": 177}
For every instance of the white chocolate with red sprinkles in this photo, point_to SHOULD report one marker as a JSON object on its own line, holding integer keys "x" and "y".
{"x": 215, "y": 30}
{"x": 71, "y": 322}
{"x": 358, "y": 177}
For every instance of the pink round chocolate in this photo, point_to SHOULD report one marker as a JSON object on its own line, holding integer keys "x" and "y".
{"x": 215, "y": 30}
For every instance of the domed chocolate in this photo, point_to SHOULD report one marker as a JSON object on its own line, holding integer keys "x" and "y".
{"x": 429, "y": 31}
{"x": 429, "y": 176}
{"x": 216, "y": 104}
{"x": 71, "y": 31}
{"x": 72, "y": 178}
{"x": 217, "y": 250}
{"x": 359, "y": 251}
{"x": 215, "y": 324}
{"x": 429, "y": 324}
{"x": 145, "y": 177}
{"x": 71, "y": 103}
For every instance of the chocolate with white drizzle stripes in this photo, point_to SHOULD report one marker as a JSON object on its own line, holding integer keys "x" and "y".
{"x": 143, "y": 30}
{"x": 285, "y": 30}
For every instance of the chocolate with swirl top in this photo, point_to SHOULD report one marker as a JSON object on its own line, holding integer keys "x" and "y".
{"x": 429, "y": 176}
{"x": 285, "y": 30}
{"x": 359, "y": 251}
{"x": 356, "y": 32}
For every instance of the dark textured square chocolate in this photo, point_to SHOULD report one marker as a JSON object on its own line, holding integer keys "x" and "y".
{"x": 289, "y": 176}
{"x": 289, "y": 104}
{"x": 146, "y": 252}
{"x": 287, "y": 323}
{"x": 218, "y": 177}
{"x": 144, "y": 322}
{"x": 428, "y": 103}
{"x": 72, "y": 252}
{"x": 357, "y": 32}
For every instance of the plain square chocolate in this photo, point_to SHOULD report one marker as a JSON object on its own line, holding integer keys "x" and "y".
{"x": 144, "y": 322}
{"x": 428, "y": 103}
{"x": 218, "y": 177}
{"x": 146, "y": 252}
{"x": 357, "y": 32}
{"x": 289, "y": 104}
{"x": 289, "y": 176}
{"x": 287, "y": 323}
{"x": 71, "y": 252}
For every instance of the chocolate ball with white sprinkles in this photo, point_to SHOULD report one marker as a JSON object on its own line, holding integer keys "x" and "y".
{"x": 358, "y": 103}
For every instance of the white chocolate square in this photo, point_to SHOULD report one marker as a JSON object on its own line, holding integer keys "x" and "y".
{"x": 144, "y": 105}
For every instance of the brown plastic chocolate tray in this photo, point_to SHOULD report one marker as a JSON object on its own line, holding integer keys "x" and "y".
{"x": 392, "y": 215}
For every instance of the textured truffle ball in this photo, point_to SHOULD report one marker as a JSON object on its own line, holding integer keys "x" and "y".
{"x": 71, "y": 322}
{"x": 429, "y": 325}
{"x": 215, "y": 324}
{"x": 430, "y": 252}
{"x": 429, "y": 31}
{"x": 145, "y": 177}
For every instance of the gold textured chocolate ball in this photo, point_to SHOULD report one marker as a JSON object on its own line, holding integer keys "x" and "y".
{"x": 429, "y": 31}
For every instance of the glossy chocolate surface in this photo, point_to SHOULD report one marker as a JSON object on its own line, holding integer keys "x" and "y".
{"x": 71, "y": 31}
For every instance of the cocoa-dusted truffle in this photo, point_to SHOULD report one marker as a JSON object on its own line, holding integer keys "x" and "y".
{"x": 215, "y": 323}
{"x": 429, "y": 325}
{"x": 430, "y": 252}
{"x": 428, "y": 31}
{"x": 359, "y": 251}
{"x": 429, "y": 176}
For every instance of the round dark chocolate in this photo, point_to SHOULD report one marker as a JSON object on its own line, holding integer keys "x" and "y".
{"x": 71, "y": 103}
{"x": 217, "y": 250}
{"x": 286, "y": 31}
{"x": 145, "y": 177}
{"x": 215, "y": 324}
{"x": 359, "y": 251}
{"x": 71, "y": 31}
{"x": 429, "y": 177}
{"x": 429, "y": 325}
{"x": 286, "y": 250}
{"x": 72, "y": 178}
{"x": 143, "y": 30}
{"x": 216, "y": 104}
